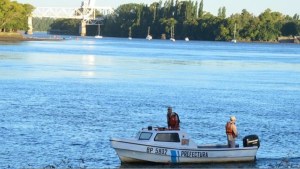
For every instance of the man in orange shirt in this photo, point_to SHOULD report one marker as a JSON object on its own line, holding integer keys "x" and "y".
{"x": 172, "y": 119}
{"x": 231, "y": 132}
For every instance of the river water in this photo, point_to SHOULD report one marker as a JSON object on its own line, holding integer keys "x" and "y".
{"x": 61, "y": 101}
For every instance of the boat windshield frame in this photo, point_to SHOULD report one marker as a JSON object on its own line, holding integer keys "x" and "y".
{"x": 145, "y": 135}
{"x": 167, "y": 137}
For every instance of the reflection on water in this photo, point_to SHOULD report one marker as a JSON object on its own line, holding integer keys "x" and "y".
{"x": 61, "y": 101}
{"x": 205, "y": 165}
{"x": 260, "y": 163}
{"x": 89, "y": 60}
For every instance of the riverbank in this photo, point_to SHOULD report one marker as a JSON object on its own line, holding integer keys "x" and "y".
{"x": 11, "y": 36}
{"x": 16, "y": 37}
{"x": 289, "y": 39}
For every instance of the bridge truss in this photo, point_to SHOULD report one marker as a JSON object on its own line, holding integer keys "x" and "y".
{"x": 71, "y": 13}
{"x": 86, "y": 13}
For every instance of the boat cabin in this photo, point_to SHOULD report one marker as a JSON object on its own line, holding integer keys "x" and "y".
{"x": 178, "y": 138}
{"x": 162, "y": 135}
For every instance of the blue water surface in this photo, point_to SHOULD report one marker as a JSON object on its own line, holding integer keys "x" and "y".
{"x": 61, "y": 101}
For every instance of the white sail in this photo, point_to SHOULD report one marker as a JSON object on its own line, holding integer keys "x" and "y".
{"x": 149, "y": 37}
{"x": 234, "y": 39}
{"x": 172, "y": 34}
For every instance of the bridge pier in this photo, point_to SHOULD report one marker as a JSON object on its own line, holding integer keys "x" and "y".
{"x": 82, "y": 28}
{"x": 30, "y": 27}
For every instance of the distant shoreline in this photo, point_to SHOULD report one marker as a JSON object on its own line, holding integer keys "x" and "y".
{"x": 18, "y": 37}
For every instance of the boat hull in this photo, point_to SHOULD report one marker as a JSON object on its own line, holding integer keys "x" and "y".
{"x": 131, "y": 152}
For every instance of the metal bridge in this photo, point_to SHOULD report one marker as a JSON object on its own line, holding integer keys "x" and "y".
{"x": 86, "y": 13}
{"x": 70, "y": 13}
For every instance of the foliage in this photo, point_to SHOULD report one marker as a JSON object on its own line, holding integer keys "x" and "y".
{"x": 42, "y": 24}
{"x": 222, "y": 12}
{"x": 290, "y": 29}
{"x": 65, "y": 26}
{"x": 189, "y": 19}
{"x": 14, "y": 16}
{"x": 269, "y": 25}
{"x": 200, "y": 10}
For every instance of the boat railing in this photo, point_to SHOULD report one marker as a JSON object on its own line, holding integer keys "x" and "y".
{"x": 149, "y": 128}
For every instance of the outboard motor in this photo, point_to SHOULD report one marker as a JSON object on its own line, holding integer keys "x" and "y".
{"x": 251, "y": 140}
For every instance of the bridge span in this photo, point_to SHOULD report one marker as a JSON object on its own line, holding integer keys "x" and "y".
{"x": 70, "y": 13}
{"x": 86, "y": 13}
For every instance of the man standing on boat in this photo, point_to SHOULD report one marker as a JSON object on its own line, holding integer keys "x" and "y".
{"x": 172, "y": 119}
{"x": 231, "y": 132}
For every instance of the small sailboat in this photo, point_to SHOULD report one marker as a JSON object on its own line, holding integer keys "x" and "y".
{"x": 149, "y": 37}
{"x": 172, "y": 34}
{"x": 234, "y": 39}
{"x": 98, "y": 36}
{"x": 129, "y": 34}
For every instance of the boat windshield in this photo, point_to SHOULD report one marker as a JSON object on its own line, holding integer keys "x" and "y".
{"x": 167, "y": 137}
{"x": 138, "y": 135}
{"x": 145, "y": 136}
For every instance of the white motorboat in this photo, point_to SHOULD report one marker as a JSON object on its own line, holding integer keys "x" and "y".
{"x": 161, "y": 145}
{"x": 98, "y": 37}
{"x": 186, "y": 39}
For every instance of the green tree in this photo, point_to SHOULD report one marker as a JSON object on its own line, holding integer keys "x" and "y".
{"x": 206, "y": 27}
{"x": 154, "y": 8}
{"x": 13, "y": 15}
{"x": 296, "y": 17}
{"x": 42, "y": 24}
{"x": 189, "y": 28}
{"x": 168, "y": 23}
{"x": 5, "y": 14}
{"x": 65, "y": 26}
{"x": 128, "y": 15}
{"x": 222, "y": 32}
{"x": 200, "y": 10}
{"x": 246, "y": 25}
{"x": 198, "y": 25}
{"x": 270, "y": 25}
{"x": 290, "y": 29}
{"x": 222, "y": 12}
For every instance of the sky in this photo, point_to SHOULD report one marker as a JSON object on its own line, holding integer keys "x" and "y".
{"x": 287, "y": 7}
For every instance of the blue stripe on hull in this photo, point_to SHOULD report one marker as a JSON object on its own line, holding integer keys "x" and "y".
{"x": 173, "y": 156}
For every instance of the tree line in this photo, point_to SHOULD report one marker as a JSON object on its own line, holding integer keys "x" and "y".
{"x": 14, "y": 15}
{"x": 186, "y": 18}
{"x": 190, "y": 20}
